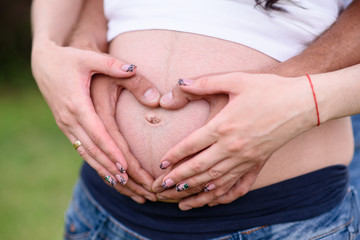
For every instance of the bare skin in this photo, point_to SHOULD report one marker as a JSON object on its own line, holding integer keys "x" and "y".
{"x": 337, "y": 44}
{"x": 150, "y": 133}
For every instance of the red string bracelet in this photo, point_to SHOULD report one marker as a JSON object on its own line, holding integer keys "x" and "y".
{"x": 316, "y": 104}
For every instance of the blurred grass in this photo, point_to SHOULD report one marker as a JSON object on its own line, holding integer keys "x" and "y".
{"x": 38, "y": 166}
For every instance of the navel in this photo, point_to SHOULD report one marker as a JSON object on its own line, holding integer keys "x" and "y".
{"x": 152, "y": 118}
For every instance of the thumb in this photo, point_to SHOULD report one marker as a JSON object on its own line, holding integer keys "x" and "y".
{"x": 199, "y": 88}
{"x": 142, "y": 89}
{"x": 212, "y": 84}
{"x": 177, "y": 98}
{"x": 108, "y": 65}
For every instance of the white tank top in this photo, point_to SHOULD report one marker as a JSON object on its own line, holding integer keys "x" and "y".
{"x": 280, "y": 35}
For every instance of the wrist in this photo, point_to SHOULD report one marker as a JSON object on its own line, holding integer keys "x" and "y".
{"x": 85, "y": 42}
{"x": 42, "y": 45}
{"x": 303, "y": 104}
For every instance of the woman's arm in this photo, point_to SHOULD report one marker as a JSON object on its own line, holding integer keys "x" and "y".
{"x": 52, "y": 21}
{"x": 63, "y": 75}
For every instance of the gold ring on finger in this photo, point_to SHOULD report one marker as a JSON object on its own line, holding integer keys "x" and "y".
{"x": 77, "y": 144}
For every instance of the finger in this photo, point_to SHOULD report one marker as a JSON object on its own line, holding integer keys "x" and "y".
{"x": 238, "y": 190}
{"x": 88, "y": 150}
{"x": 108, "y": 65}
{"x": 215, "y": 84}
{"x": 136, "y": 193}
{"x": 139, "y": 175}
{"x": 127, "y": 192}
{"x": 200, "y": 163}
{"x": 177, "y": 98}
{"x": 95, "y": 129}
{"x": 142, "y": 89}
{"x": 136, "y": 189}
{"x": 103, "y": 173}
{"x": 156, "y": 186}
{"x": 101, "y": 170}
{"x": 195, "y": 142}
{"x": 219, "y": 173}
{"x": 91, "y": 126}
{"x": 211, "y": 191}
{"x": 173, "y": 195}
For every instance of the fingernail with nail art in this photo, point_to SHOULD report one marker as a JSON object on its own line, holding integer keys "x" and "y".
{"x": 164, "y": 165}
{"x": 181, "y": 187}
{"x": 128, "y": 67}
{"x": 168, "y": 183}
{"x": 121, "y": 169}
{"x": 209, "y": 187}
{"x": 185, "y": 82}
{"x": 110, "y": 180}
{"x": 121, "y": 180}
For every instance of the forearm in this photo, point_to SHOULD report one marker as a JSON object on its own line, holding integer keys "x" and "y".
{"x": 90, "y": 31}
{"x": 338, "y": 93}
{"x": 52, "y": 21}
{"x": 337, "y": 48}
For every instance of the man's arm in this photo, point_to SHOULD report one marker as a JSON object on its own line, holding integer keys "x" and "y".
{"x": 91, "y": 28}
{"x": 336, "y": 48}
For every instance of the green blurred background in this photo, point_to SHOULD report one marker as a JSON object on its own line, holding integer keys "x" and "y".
{"x": 38, "y": 166}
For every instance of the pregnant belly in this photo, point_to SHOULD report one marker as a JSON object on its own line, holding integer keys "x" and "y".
{"x": 151, "y": 132}
{"x": 165, "y": 56}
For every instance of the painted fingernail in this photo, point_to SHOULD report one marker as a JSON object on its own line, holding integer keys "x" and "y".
{"x": 168, "y": 183}
{"x": 209, "y": 188}
{"x": 167, "y": 98}
{"x": 121, "y": 180}
{"x": 110, "y": 180}
{"x": 181, "y": 187}
{"x": 151, "y": 95}
{"x": 185, "y": 82}
{"x": 121, "y": 169}
{"x": 128, "y": 67}
{"x": 164, "y": 165}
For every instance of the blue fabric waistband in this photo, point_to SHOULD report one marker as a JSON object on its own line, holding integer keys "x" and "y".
{"x": 296, "y": 199}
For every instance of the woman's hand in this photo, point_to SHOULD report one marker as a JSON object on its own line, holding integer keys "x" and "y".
{"x": 177, "y": 99}
{"x": 264, "y": 112}
{"x": 63, "y": 75}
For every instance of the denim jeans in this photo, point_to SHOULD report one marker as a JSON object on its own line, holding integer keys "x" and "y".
{"x": 355, "y": 164}
{"x": 85, "y": 219}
